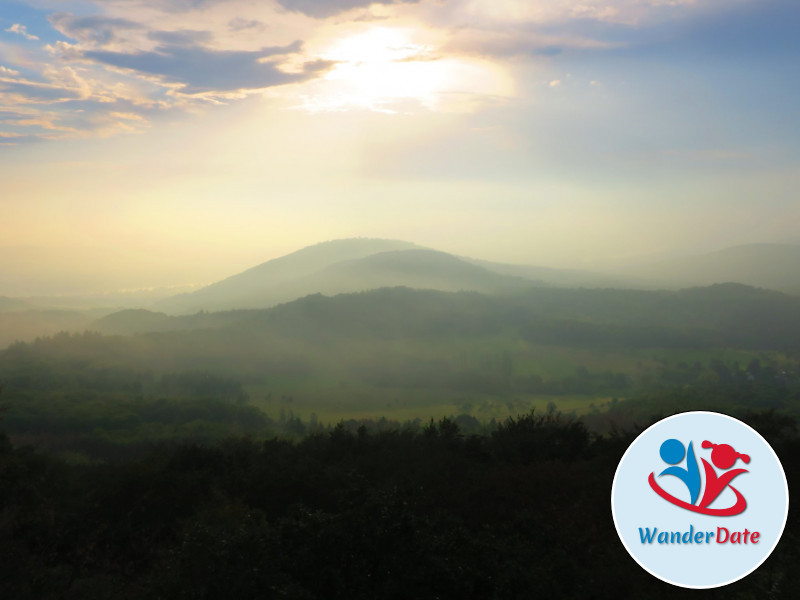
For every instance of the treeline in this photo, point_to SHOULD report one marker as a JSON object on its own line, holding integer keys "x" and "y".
{"x": 729, "y": 398}
{"x": 488, "y": 377}
{"x": 520, "y": 513}
{"x": 758, "y": 386}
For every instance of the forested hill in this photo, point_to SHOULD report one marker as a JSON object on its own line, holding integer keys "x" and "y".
{"x": 717, "y": 316}
{"x": 725, "y": 314}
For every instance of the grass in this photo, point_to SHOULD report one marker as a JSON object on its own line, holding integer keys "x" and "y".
{"x": 355, "y": 400}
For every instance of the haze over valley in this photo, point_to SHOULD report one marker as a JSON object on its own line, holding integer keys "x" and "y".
{"x": 361, "y": 264}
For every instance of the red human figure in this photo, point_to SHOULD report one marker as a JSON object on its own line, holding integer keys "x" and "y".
{"x": 724, "y": 457}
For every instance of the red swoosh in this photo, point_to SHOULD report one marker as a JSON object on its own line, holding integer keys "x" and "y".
{"x": 737, "y": 508}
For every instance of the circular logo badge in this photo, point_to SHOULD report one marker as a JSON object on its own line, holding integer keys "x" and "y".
{"x": 700, "y": 500}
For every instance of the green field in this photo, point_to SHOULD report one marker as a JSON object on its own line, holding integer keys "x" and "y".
{"x": 361, "y": 401}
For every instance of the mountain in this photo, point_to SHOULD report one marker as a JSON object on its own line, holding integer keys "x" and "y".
{"x": 558, "y": 277}
{"x": 421, "y": 269}
{"x": 353, "y": 265}
{"x": 340, "y": 266}
{"x": 773, "y": 266}
{"x": 25, "y": 319}
{"x": 272, "y": 282}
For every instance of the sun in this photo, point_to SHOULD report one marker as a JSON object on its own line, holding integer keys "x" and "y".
{"x": 384, "y": 68}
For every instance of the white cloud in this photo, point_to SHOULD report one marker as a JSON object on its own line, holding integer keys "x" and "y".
{"x": 127, "y": 116}
{"x": 21, "y": 30}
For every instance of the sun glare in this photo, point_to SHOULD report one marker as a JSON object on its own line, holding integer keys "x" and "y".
{"x": 382, "y": 69}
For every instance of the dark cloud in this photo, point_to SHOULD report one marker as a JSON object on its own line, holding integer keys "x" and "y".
{"x": 20, "y": 139}
{"x": 184, "y": 5}
{"x": 318, "y": 66}
{"x": 7, "y": 115}
{"x": 519, "y": 43}
{"x": 725, "y": 30}
{"x": 326, "y": 8}
{"x": 206, "y": 70}
{"x": 92, "y": 28}
{"x": 239, "y": 24}
{"x": 183, "y": 37}
{"x": 38, "y": 92}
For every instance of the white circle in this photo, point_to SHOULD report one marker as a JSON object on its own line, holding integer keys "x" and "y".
{"x": 640, "y": 513}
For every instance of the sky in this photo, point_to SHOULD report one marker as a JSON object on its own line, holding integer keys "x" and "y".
{"x": 157, "y": 143}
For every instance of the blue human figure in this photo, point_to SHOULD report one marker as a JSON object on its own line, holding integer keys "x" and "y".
{"x": 672, "y": 452}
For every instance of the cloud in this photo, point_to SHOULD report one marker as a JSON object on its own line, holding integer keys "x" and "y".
{"x": 528, "y": 40}
{"x": 318, "y": 66}
{"x": 31, "y": 124}
{"x": 21, "y": 30}
{"x": 16, "y": 140}
{"x": 312, "y": 8}
{"x": 127, "y": 116}
{"x": 122, "y": 70}
{"x": 93, "y": 29}
{"x": 182, "y": 37}
{"x": 185, "y": 5}
{"x": 64, "y": 50}
{"x": 37, "y": 92}
{"x": 321, "y": 9}
{"x": 170, "y": 55}
{"x": 64, "y": 102}
{"x": 240, "y": 24}
{"x": 9, "y": 116}
{"x": 73, "y": 118}
{"x": 200, "y": 70}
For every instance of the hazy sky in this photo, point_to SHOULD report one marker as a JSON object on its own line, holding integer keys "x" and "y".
{"x": 158, "y": 142}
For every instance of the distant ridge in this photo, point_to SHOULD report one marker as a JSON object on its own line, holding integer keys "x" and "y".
{"x": 722, "y": 315}
{"x": 7, "y": 304}
{"x": 558, "y": 277}
{"x": 772, "y": 266}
